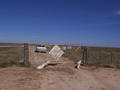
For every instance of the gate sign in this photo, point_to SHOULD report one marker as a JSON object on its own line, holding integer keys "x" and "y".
{"x": 56, "y": 52}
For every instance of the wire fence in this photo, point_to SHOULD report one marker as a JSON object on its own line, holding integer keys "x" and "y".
{"x": 98, "y": 56}
{"x": 102, "y": 56}
{"x": 11, "y": 54}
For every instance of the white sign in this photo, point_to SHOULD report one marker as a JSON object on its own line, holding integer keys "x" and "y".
{"x": 56, "y": 52}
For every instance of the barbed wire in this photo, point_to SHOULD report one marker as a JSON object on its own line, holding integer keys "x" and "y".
{"x": 82, "y": 43}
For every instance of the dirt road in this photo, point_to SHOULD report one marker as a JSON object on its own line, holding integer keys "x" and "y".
{"x": 59, "y": 77}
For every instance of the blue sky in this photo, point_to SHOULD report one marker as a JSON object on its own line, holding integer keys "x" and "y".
{"x": 60, "y": 21}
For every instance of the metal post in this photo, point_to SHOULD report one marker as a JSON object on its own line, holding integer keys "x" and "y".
{"x": 26, "y": 53}
{"x": 85, "y": 55}
{"x": 111, "y": 57}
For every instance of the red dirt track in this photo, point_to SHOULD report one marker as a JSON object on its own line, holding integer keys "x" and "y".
{"x": 59, "y": 77}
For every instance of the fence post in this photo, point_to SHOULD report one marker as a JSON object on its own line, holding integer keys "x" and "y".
{"x": 100, "y": 58}
{"x": 26, "y": 53}
{"x": 111, "y": 57}
{"x": 85, "y": 55}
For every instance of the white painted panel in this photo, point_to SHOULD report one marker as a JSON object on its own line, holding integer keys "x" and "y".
{"x": 56, "y": 52}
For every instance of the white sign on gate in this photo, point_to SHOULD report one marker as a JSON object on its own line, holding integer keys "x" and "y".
{"x": 56, "y": 52}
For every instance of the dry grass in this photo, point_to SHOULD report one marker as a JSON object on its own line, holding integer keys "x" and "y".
{"x": 10, "y": 55}
{"x": 102, "y": 56}
{"x": 98, "y": 56}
